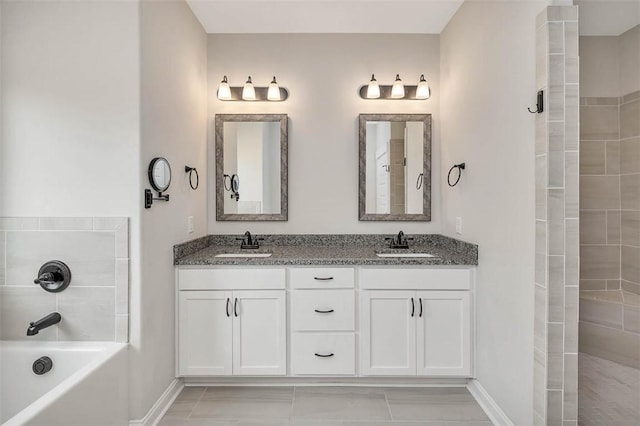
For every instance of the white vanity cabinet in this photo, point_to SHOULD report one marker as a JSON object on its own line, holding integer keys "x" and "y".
{"x": 423, "y": 329}
{"x": 322, "y": 322}
{"x": 227, "y": 327}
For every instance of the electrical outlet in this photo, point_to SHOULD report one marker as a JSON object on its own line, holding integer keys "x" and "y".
{"x": 190, "y": 224}
{"x": 459, "y": 225}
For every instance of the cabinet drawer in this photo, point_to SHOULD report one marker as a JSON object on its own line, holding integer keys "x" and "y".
{"x": 323, "y": 353}
{"x": 415, "y": 278}
{"x": 322, "y": 277}
{"x": 231, "y": 279}
{"x": 323, "y": 310}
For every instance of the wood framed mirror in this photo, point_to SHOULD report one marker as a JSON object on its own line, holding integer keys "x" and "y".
{"x": 395, "y": 167}
{"x": 251, "y": 167}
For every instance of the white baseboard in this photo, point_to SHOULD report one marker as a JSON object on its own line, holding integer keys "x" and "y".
{"x": 493, "y": 410}
{"x": 161, "y": 406}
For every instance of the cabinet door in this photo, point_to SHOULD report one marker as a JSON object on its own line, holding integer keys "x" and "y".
{"x": 204, "y": 341}
{"x": 444, "y": 333}
{"x": 388, "y": 333}
{"x": 259, "y": 333}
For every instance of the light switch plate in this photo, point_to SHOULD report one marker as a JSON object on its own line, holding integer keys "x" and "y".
{"x": 459, "y": 225}
{"x": 190, "y": 224}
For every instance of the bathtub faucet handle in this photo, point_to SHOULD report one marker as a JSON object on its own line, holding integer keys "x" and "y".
{"x": 46, "y": 278}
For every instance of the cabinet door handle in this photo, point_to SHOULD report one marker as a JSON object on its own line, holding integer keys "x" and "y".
{"x": 323, "y": 278}
{"x": 323, "y": 355}
{"x": 228, "y": 315}
{"x": 420, "y": 308}
{"x": 413, "y": 308}
{"x": 235, "y": 307}
{"x": 320, "y": 311}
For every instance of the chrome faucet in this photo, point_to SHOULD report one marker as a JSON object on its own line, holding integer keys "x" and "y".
{"x": 249, "y": 242}
{"x": 42, "y": 323}
{"x": 399, "y": 242}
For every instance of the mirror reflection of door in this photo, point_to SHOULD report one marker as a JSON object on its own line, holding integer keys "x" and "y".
{"x": 394, "y": 162}
{"x": 252, "y": 151}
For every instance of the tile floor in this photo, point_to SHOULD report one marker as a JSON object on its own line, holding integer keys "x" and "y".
{"x": 608, "y": 393}
{"x": 326, "y": 406}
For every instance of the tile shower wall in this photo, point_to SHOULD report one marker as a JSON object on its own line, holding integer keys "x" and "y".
{"x": 610, "y": 228}
{"x": 557, "y": 219}
{"x": 95, "y": 306}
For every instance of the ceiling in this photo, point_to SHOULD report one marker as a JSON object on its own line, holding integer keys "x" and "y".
{"x": 607, "y": 17}
{"x": 597, "y": 17}
{"x": 324, "y": 16}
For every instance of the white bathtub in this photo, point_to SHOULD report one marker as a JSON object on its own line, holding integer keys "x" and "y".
{"x": 86, "y": 386}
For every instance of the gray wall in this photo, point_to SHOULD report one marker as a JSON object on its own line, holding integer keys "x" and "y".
{"x": 488, "y": 80}
{"x": 323, "y": 73}
{"x": 173, "y": 125}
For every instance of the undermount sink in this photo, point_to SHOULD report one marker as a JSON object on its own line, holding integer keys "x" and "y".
{"x": 243, "y": 255}
{"x": 404, "y": 255}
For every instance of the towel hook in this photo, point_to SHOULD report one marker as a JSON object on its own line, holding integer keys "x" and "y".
{"x": 539, "y": 103}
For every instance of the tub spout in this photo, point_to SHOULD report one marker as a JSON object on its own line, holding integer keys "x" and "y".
{"x": 42, "y": 323}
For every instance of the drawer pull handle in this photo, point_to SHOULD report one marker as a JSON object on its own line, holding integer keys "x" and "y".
{"x": 228, "y": 308}
{"x": 324, "y": 355}
{"x": 323, "y": 278}
{"x": 420, "y": 308}
{"x": 235, "y": 307}
{"x": 323, "y": 312}
{"x": 413, "y": 308}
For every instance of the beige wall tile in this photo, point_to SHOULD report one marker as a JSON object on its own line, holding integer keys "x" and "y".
{"x": 556, "y": 37}
{"x": 556, "y": 67}
{"x": 630, "y": 266}
{"x": 540, "y": 318}
{"x": 599, "y": 262}
{"x": 631, "y": 227}
{"x": 630, "y": 287}
{"x": 593, "y": 227}
{"x": 613, "y": 157}
{"x": 613, "y": 284}
{"x": 599, "y": 123}
{"x": 599, "y": 312}
{"x": 541, "y": 134}
{"x": 571, "y": 39}
{"x": 599, "y": 192}
{"x": 613, "y": 227}
{"x": 556, "y": 288}
{"x": 554, "y": 371}
{"x": 87, "y": 314}
{"x": 539, "y": 376}
{"x": 2, "y": 257}
{"x": 541, "y": 236}
{"x": 66, "y": 223}
{"x": 571, "y": 117}
{"x": 592, "y": 157}
{"x": 630, "y": 119}
{"x": 571, "y": 297}
{"x": 556, "y": 102}
{"x": 631, "y": 318}
{"x": 541, "y": 269}
{"x": 572, "y": 253}
{"x": 600, "y": 101}
{"x": 571, "y": 185}
{"x": 562, "y": 13}
{"x": 556, "y": 155}
{"x": 630, "y": 97}
{"x": 554, "y": 407}
{"x": 630, "y": 191}
{"x": 555, "y": 338}
{"x": 571, "y": 70}
{"x": 593, "y": 285}
{"x": 608, "y": 343}
{"x": 570, "y": 411}
{"x": 630, "y": 155}
{"x": 556, "y": 221}
{"x": 21, "y": 305}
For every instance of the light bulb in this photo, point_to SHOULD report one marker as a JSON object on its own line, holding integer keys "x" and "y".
{"x": 397, "y": 90}
{"x": 248, "y": 91}
{"x": 273, "y": 94}
{"x": 373, "y": 90}
{"x": 224, "y": 91}
{"x": 423, "y": 91}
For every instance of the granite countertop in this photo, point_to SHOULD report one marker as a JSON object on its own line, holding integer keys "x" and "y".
{"x": 343, "y": 249}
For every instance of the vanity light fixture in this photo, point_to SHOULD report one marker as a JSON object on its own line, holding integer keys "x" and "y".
{"x": 224, "y": 91}
{"x": 373, "y": 89}
{"x": 273, "y": 94}
{"x": 423, "y": 91}
{"x": 249, "y": 92}
{"x": 396, "y": 91}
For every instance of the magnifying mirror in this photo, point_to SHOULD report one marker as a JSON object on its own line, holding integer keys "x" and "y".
{"x": 160, "y": 174}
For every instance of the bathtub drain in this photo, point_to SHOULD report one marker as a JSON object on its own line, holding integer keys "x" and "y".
{"x": 42, "y": 365}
